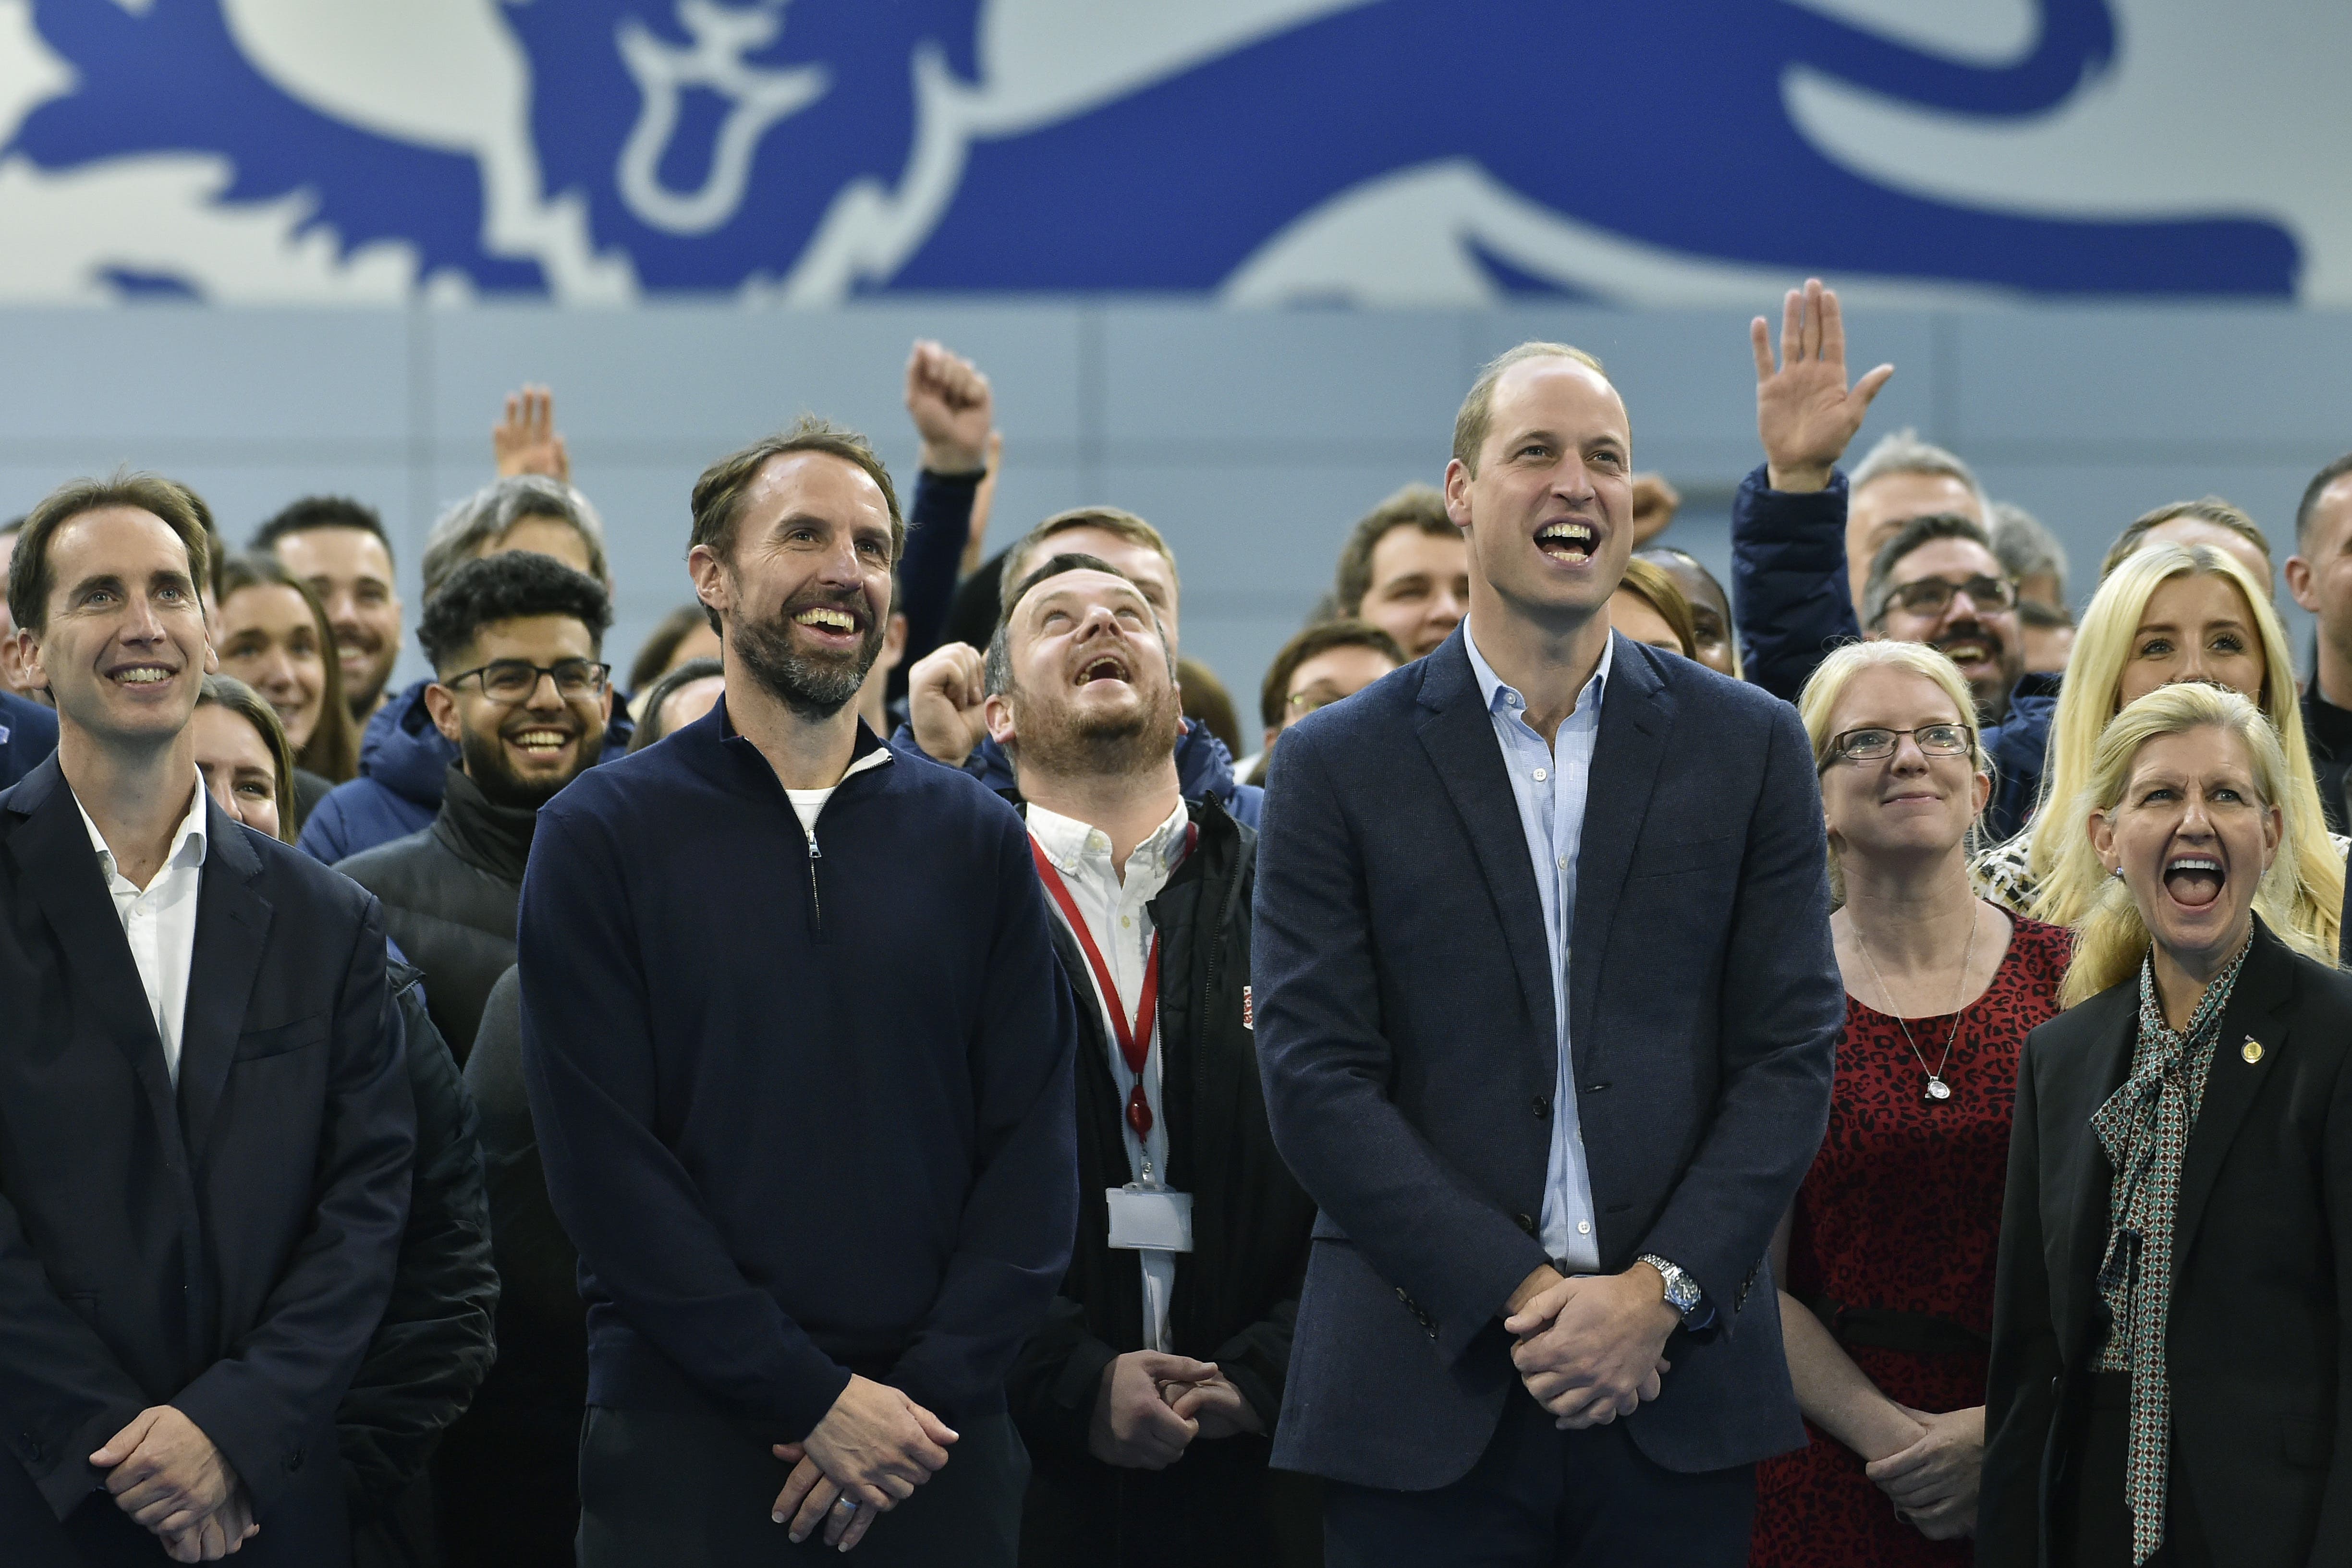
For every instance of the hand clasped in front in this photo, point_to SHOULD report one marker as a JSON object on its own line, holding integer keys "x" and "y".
{"x": 1588, "y": 1348}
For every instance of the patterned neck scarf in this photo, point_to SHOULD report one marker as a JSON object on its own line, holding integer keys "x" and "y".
{"x": 2145, "y": 1127}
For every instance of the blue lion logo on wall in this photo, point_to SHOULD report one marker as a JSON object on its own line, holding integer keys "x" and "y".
{"x": 1381, "y": 152}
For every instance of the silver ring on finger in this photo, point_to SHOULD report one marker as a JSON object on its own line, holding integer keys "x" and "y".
{"x": 846, "y": 1505}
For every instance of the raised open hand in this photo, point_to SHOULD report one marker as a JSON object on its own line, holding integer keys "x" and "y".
{"x": 525, "y": 440}
{"x": 1805, "y": 413}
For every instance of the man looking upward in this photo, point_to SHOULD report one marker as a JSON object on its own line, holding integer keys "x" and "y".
{"x": 820, "y": 1202}
{"x": 1545, "y": 1008}
{"x": 1146, "y": 1398}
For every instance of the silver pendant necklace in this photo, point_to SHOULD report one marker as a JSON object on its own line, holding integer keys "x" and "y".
{"x": 1938, "y": 1089}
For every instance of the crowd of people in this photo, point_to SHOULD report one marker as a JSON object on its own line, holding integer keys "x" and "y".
{"x": 1840, "y": 1072}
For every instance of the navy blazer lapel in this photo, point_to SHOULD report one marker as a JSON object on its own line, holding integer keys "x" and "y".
{"x": 232, "y": 924}
{"x": 2257, "y": 1009}
{"x": 60, "y": 869}
{"x": 1459, "y": 733}
{"x": 1636, "y": 712}
{"x": 2095, "y": 1067}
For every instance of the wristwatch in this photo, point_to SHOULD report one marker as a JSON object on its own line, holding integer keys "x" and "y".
{"x": 1683, "y": 1293}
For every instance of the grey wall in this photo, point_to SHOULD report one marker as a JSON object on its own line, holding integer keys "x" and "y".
{"x": 1253, "y": 440}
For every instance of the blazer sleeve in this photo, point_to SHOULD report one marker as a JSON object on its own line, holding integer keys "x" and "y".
{"x": 1791, "y": 601}
{"x": 623, "y": 1196}
{"x": 2332, "y": 1543}
{"x": 62, "y": 1392}
{"x": 1782, "y": 1005}
{"x": 1325, "y": 1066}
{"x": 283, "y": 1380}
{"x": 433, "y": 1347}
{"x": 1021, "y": 1217}
{"x": 2021, "y": 1397}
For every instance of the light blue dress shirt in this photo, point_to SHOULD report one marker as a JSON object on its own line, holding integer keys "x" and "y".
{"x": 1549, "y": 783}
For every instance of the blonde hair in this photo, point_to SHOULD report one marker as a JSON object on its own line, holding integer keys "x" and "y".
{"x": 1817, "y": 706}
{"x": 2087, "y": 709}
{"x": 2111, "y": 938}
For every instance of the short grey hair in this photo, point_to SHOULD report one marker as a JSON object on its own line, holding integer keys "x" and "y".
{"x": 1905, "y": 452}
{"x": 490, "y": 513}
{"x": 2026, "y": 549}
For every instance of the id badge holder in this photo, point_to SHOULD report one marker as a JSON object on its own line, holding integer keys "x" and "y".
{"x": 1149, "y": 1218}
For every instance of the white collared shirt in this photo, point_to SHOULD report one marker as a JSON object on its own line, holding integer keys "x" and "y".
{"x": 1118, "y": 916}
{"x": 159, "y": 921}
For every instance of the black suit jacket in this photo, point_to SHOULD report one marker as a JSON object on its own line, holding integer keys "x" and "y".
{"x": 227, "y": 1248}
{"x": 2261, "y": 1263}
{"x": 1405, "y": 1032}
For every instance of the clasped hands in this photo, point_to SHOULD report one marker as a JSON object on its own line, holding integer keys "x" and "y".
{"x": 1150, "y": 1406}
{"x": 163, "y": 1472}
{"x": 1933, "y": 1482}
{"x": 875, "y": 1447}
{"x": 1589, "y": 1348}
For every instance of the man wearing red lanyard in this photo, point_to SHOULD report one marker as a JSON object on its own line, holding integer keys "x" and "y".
{"x": 1147, "y": 1399}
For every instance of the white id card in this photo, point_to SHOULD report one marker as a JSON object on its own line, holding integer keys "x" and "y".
{"x": 1144, "y": 1217}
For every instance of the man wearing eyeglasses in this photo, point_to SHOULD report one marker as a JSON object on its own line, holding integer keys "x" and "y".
{"x": 1937, "y": 581}
{"x": 515, "y": 641}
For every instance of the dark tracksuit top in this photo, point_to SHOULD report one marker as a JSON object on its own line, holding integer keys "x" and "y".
{"x": 804, "y": 1110}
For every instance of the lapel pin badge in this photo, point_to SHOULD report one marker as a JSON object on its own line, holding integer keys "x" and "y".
{"x": 2252, "y": 1050}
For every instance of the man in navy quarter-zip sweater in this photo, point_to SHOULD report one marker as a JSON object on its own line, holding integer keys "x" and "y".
{"x": 807, "y": 1119}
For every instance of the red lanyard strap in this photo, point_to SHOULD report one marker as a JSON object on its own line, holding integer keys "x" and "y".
{"x": 1134, "y": 1041}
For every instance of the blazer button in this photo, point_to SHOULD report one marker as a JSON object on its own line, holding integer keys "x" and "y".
{"x": 1543, "y": 1105}
{"x": 1526, "y": 1224}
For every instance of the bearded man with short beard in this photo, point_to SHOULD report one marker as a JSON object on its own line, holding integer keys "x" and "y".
{"x": 798, "y": 1056}
{"x": 1136, "y": 1368}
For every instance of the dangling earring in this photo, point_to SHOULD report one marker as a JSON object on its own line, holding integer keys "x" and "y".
{"x": 2118, "y": 873}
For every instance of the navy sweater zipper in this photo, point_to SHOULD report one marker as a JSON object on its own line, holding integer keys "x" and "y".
{"x": 816, "y": 902}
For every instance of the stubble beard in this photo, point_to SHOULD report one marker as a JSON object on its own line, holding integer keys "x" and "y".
{"x": 1056, "y": 742}
{"x": 814, "y": 686}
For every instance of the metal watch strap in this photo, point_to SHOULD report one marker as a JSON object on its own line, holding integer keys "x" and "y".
{"x": 1683, "y": 1293}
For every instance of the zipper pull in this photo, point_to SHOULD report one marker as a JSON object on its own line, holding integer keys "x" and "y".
{"x": 814, "y": 853}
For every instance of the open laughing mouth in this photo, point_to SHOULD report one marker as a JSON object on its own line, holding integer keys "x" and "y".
{"x": 2194, "y": 881}
{"x": 541, "y": 744}
{"x": 832, "y": 625}
{"x": 1104, "y": 667}
{"x": 1568, "y": 540}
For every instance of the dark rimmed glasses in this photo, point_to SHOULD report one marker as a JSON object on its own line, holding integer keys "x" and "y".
{"x": 511, "y": 681}
{"x": 1933, "y": 595}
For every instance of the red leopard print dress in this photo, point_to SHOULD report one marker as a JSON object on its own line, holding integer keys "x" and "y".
{"x": 1902, "y": 1211}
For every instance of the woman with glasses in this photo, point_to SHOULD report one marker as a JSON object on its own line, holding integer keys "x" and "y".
{"x": 2170, "y": 1332}
{"x": 1886, "y": 1259}
{"x": 2166, "y": 615}
{"x": 275, "y": 637}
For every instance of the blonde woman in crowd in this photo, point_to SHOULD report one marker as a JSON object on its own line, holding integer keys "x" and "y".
{"x": 2169, "y": 1323}
{"x": 1887, "y": 1306}
{"x": 2167, "y": 615}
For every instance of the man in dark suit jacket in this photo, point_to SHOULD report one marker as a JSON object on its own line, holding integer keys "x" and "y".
{"x": 1547, "y": 1189}
{"x": 205, "y": 1126}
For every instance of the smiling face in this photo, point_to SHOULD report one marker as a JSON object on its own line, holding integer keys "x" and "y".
{"x": 1549, "y": 515}
{"x": 1982, "y": 639}
{"x": 1092, "y": 692}
{"x": 521, "y": 754}
{"x": 1420, "y": 587}
{"x": 2195, "y": 628}
{"x": 1909, "y": 805}
{"x": 269, "y": 642}
{"x": 2193, "y": 837}
{"x": 803, "y": 591}
{"x": 235, "y": 764}
{"x": 350, "y": 571}
{"x": 124, "y": 651}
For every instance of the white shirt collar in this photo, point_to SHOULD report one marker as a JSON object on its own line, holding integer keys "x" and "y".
{"x": 1492, "y": 686}
{"x": 189, "y": 839}
{"x": 1069, "y": 843}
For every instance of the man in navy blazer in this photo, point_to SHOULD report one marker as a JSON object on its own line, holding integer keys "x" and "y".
{"x": 1546, "y": 1009}
{"x": 205, "y": 1127}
